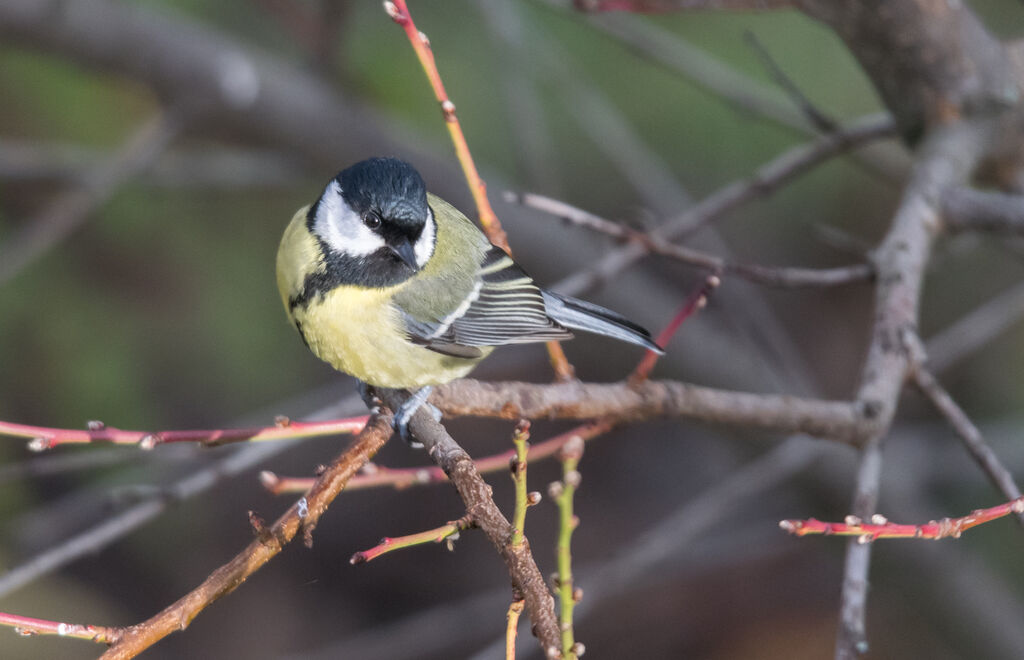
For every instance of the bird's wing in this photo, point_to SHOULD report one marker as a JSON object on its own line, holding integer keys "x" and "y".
{"x": 503, "y": 307}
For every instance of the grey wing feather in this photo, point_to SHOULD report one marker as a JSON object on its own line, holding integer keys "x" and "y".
{"x": 505, "y": 307}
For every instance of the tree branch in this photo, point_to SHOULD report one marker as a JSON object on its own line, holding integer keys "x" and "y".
{"x": 968, "y": 209}
{"x": 785, "y": 414}
{"x": 301, "y": 516}
{"x": 780, "y": 276}
{"x": 476, "y": 495}
{"x": 947, "y": 158}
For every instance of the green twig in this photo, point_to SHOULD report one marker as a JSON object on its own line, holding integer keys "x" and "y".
{"x": 387, "y": 544}
{"x": 562, "y": 492}
{"x": 518, "y": 468}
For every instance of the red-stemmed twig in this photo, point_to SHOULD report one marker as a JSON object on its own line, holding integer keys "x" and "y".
{"x": 399, "y": 13}
{"x": 28, "y": 627}
{"x": 43, "y": 438}
{"x": 448, "y": 532}
{"x": 880, "y": 528}
{"x": 374, "y": 476}
{"x": 694, "y": 302}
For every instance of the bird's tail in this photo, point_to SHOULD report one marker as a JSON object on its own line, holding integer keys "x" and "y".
{"x": 581, "y": 315}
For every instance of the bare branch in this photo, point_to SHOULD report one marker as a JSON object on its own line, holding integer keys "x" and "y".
{"x": 96, "y": 538}
{"x": 780, "y": 276}
{"x": 785, "y": 414}
{"x": 765, "y": 180}
{"x": 818, "y": 119}
{"x": 964, "y": 427}
{"x": 946, "y": 159}
{"x": 301, "y": 516}
{"x": 880, "y": 528}
{"x": 476, "y": 495}
{"x": 968, "y": 209}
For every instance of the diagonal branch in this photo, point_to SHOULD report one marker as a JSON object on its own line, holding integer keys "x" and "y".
{"x": 969, "y": 434}
{"x": 780, "y": 276}
{"x": 476, "y": 495}
{"x": 301, "y": 516}
{"x": 768, "y": 178}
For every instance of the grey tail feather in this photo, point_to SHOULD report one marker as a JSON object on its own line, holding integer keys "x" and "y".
{"x": 581, "y": 315}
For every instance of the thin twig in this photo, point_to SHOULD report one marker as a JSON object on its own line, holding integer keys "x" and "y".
{"x": 695, "y": 302}
{"x": 512, "y": 625}
{"x": 817, "y": 118}
{"x": 400, "y": 478}
{"x": 880, "y": 528}
{"x": 667, "y": 50}
{"x": 399, "y": 13}
{"x": 968, "y": 433}
{"x": 448, "y": 532}
{"x": 29, "y": 627}
{"x": 766, "y": 179}
{"x": 302, "y": 516}
{"x": 779, "y": 276}
{"x": 520, "y": 438}
{"x": 562, "y": 492}
{"x": 118, "y": 525}
{"x": 43, "y": 438}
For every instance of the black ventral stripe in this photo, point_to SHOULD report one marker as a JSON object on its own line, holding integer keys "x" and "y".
{"x": 378, "y": 270}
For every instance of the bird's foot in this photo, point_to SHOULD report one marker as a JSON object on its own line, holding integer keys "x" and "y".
{"x": 405, "y": 412}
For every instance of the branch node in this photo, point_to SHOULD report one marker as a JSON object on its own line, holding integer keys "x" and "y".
{"x": 38, "y": 445}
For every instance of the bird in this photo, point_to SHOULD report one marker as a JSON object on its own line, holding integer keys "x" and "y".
{"x": 393, "y": 285}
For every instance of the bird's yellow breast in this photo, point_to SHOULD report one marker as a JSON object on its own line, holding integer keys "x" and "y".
{"x": 357, "y": 331}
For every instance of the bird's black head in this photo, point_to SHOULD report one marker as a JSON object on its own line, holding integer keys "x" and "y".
{"x": 374, "y": 223}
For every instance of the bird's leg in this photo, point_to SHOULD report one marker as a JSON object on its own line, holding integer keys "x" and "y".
{"x": 405, "y": 412}
{"x": 368, "y": 394}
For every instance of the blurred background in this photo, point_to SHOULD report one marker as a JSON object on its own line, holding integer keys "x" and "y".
{"x": 196, "y": 130}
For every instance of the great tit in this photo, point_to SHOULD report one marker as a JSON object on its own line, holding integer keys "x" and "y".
{"x": 394, "y": 286}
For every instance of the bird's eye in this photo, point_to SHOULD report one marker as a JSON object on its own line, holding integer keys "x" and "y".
{"x": 371, "y": 220}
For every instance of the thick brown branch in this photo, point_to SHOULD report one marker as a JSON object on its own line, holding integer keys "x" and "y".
{"x": 527, "y": 580}
{"x": 303, "y": 515}
{"x": 785, "y": 414}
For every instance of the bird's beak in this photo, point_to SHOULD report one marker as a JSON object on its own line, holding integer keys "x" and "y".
{"x": 405, "y": 251}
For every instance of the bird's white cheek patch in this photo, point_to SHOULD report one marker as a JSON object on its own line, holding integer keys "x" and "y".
{"x": 342, "y": 228}
{"x": 424, "y": 247}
